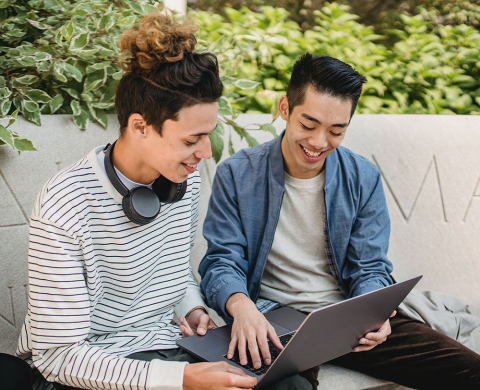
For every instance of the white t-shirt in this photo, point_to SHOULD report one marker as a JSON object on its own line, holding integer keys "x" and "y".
{"x": 297, "y": 273}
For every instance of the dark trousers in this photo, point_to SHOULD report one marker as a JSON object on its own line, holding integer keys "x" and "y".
{"x": 417, "y": 356}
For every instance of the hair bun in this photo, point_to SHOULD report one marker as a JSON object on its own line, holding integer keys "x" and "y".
{"x": 155, "y": 40}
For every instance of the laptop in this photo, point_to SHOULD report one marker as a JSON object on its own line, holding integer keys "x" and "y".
{"x": 308, "y": 340}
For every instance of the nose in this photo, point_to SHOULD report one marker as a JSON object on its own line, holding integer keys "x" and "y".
{"x": 319, "y": 139}
{"x": 205, "y": 148}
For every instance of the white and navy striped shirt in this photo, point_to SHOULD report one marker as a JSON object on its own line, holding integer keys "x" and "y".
{"x": 102, "y": 287}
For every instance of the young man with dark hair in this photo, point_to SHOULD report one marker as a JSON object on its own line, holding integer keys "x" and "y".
{"x": 302, "y": 222}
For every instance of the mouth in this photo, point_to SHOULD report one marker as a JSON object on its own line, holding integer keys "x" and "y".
{"x": 190, "y": 167}
{"x": 311, "y": 155}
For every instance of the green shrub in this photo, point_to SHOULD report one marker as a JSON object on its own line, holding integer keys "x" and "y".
{"x": 61, "y": 57}
{"x": 431, "y": 69}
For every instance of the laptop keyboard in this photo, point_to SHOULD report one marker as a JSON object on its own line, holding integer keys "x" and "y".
{"x": 274, "y": 352}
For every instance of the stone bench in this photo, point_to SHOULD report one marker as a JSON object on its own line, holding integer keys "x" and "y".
{"x": 431, "y": 172}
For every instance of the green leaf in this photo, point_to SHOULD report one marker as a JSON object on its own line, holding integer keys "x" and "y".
{"x": 56, "y": 103}
{"x": 72, "y": 92}
{"x": 26, "y": 61}
{"x": 246, "y": 84}
{"x": 29, "y": 106}
{"x": 75, "y": 105}
{"x": 126, "y": 22}
{"x": 88, "y": 97}
{"x": 24, "y": 80}
{"x": 118, "y": 75}
{"x": 110, "y": 23}
{"x": 216, "y": 140}
{"x": 81, "y": 120}
{"x": 251, "y": 141}
{"x": 110, "y": 91}
{"x": 58, "y": 72}
{"x": 99, "y": 116}
{"x": 79, "y": 41}
{"x": 274, "y": 110}
{"x": 37, "y": 95}
{"x": 269, "y": 128}
{"x": 34, "y": 116}
{"x": 67, "y": 31}
{"x": 5, "y": 106}
{"x": 224, "y": 107}
{"x": 94, "y": 80}
{"x": 37, "y": 24}
{"x": 231, "y": 149}
{"x": 86, "y": 52}
{"x": 6, "y": 136}
{"x": 5, "y": 3}
{"x": 24, "y": 145}
{"x": 94, "y": 67}
{"x": 43, "y": 57}
{"x": 73, "y": 72}
{"x": 106, "y": 18}
{"x": 5, "y": 92}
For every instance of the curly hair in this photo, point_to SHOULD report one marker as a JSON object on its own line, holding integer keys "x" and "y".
{"x": 163, "y": 74}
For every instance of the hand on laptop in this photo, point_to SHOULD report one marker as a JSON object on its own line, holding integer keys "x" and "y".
{"x": 250, "y": 328}
{"x": 372, "y": 339}
{"x": 198, "y": 323}
{"x": 216, "y": 376}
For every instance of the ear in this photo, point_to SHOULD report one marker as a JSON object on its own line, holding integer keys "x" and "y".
{"x": 137, "y": 126}
{"x": 283, "y": 108}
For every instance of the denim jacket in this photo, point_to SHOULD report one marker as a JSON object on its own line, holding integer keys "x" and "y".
{"x": 243, "y": 212}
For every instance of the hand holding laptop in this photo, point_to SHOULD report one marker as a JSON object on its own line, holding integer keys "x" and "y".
{"x": 250, "y": 328}
{"x": 372, "y": 339}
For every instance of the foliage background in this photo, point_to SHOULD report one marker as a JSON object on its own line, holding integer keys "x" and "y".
{"x": 420, "y": 57}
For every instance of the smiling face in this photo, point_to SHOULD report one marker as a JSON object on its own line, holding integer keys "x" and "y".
{"x": 314, "y": 129}
{"x": 183, "y": 143}
{"x": 142, "y": 154}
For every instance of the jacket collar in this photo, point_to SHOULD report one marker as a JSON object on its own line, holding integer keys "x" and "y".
{"x": 277, "y": 168}
{"x": 277, "y": 163}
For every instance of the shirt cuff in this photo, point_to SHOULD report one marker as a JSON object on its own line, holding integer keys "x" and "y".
{"x": 193, "y": 298}
{"x": 165, "y": 375}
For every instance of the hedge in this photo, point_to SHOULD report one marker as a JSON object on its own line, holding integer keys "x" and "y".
{"x": 60, "y": 57}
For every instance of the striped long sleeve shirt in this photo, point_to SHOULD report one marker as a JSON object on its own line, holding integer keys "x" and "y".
{"x": 102, "y": 287}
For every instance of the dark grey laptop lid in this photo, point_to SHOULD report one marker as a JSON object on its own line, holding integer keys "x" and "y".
{"x": 323, "y": 335}
{"x": 334, "y": 331}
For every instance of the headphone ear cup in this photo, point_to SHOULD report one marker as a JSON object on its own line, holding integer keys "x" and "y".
{"x": 168, "y": 191}
{"x": 141, "y": 206}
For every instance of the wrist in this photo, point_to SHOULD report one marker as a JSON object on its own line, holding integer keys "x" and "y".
{"x": 195, "y": 309}
{"x": 237, "y": 303}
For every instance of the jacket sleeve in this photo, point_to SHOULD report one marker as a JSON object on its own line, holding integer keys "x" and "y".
{"x": 368, "y": 243}
{"x": 224, "y": 267}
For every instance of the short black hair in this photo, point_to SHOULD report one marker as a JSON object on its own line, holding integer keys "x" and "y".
{"x": 327, "y": 75}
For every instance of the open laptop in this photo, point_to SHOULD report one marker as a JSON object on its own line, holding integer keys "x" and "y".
{"x": 323, "y": 335}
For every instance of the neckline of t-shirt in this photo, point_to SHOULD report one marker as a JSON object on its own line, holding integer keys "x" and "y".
{"x": 316, "y": 181}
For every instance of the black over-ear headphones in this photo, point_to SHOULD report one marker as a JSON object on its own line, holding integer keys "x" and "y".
{"x": 142, "y": 205}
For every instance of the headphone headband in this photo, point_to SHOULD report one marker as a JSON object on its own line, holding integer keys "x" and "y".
{"x": 112, "y": 175}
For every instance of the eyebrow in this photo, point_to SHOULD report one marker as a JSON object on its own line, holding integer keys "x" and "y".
{"x": 311, "y": 118}
{"x": 200, "y": 134}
